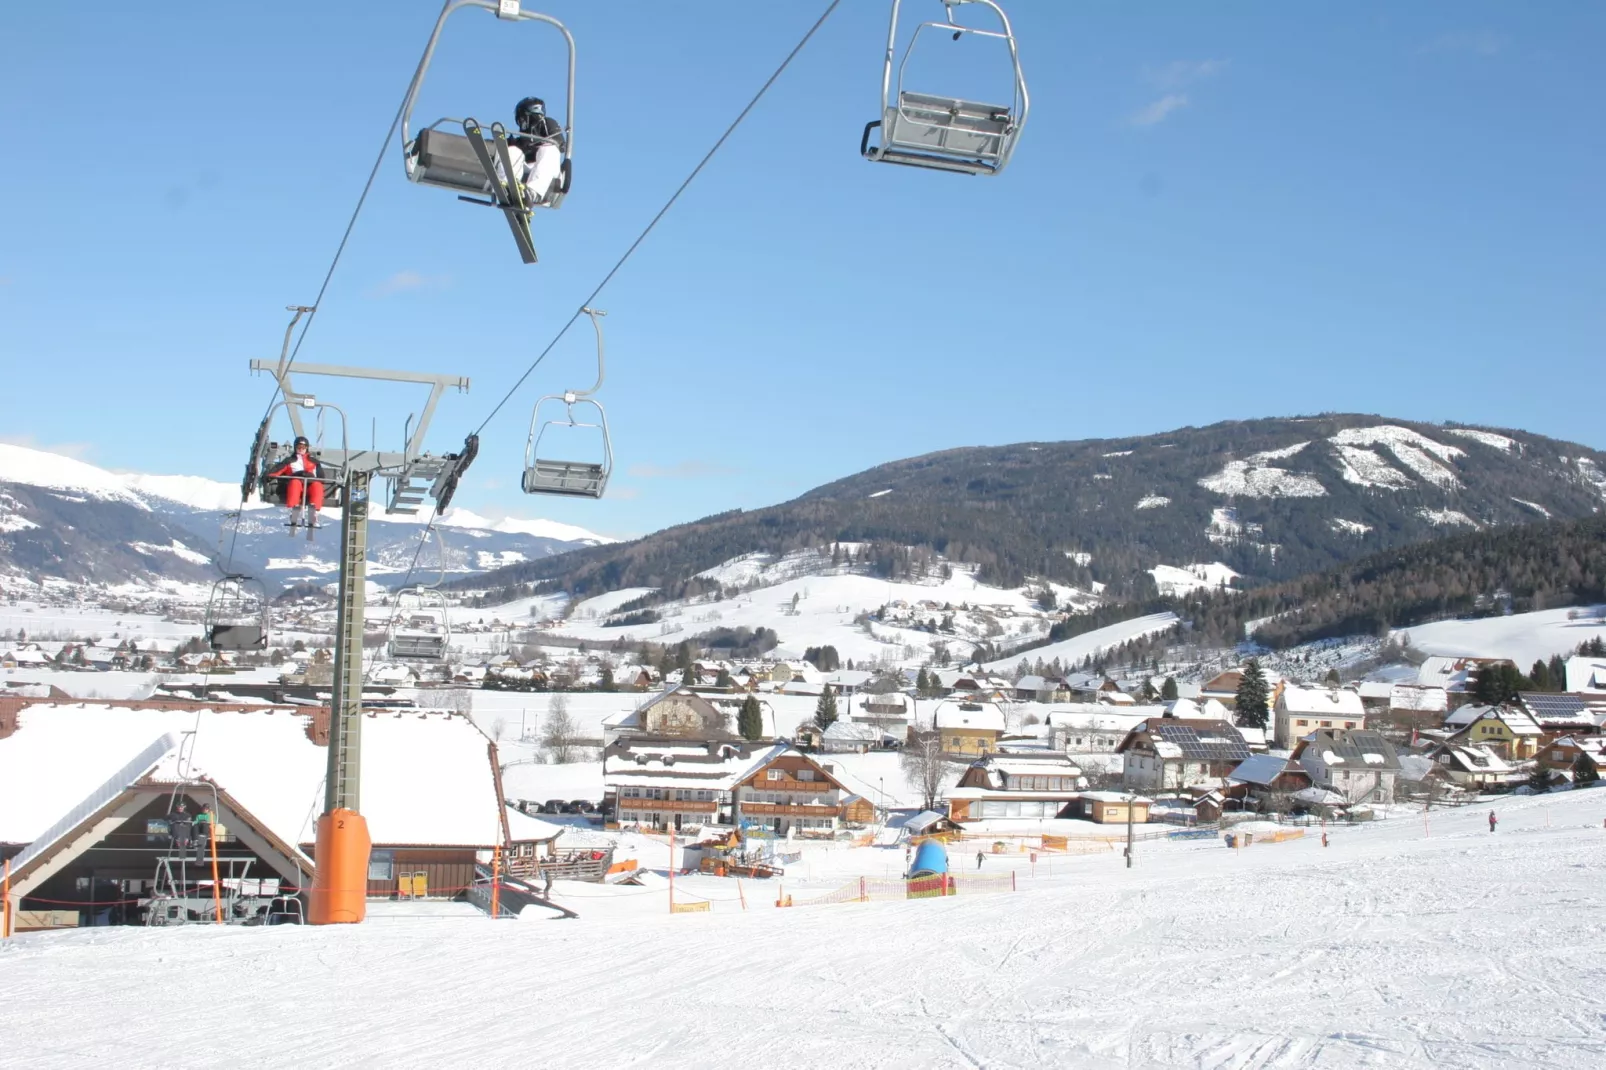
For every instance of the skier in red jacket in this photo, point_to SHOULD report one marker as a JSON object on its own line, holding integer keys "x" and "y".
{"x": 303, "y": 478}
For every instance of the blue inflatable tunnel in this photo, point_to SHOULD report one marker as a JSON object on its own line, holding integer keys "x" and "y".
{"x": 931, "y": 859}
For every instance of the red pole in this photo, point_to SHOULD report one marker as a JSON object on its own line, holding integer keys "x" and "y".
{"x": 5, "y": 903}
{"x": 671, "y": 869}
{"x": 863, "y": 898}
{"x": 1012, "y": 880}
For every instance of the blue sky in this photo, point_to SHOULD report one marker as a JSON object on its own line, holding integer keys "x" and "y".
{"x": 1216, "y": 212}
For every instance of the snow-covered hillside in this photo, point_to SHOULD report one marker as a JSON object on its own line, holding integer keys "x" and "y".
{"x": 809, "y": 602}
{"x": 1522, "y": 637}
{"x": 1376, "y": 951}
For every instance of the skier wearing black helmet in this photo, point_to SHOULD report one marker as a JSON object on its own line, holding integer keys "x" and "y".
{"x": 537, "y": 150}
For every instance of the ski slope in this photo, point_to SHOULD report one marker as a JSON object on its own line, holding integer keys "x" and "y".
{"x": 1401, "y": 945}
{"x": 1522, "y": 637}
{"x": 1090, "y": 644}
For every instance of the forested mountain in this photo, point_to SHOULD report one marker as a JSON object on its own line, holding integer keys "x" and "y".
{"x": 1273, "y": 499}
{"x": 1537, "y": 566}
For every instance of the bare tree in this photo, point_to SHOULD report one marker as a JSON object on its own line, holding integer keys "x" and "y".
{"x": 560, "y": 735}
{"x": 925, "y": 765}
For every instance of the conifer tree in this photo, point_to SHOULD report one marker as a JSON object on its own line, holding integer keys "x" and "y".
{"x": 825, "y": 709}
{"x": 724, "y": 678}
{"x": 750, "y": 718}
{"x": 1252, "y": 695}
{"x": 922, "y": 683}
{"x": 1168, "y": 691}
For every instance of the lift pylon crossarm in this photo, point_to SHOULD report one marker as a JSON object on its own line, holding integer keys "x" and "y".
{"x": 946, "y": 133}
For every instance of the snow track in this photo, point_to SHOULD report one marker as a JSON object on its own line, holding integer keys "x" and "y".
{"x": 1405, "y": 944}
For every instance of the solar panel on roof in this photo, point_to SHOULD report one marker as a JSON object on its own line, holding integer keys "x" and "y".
{"x": 1540, "y": 704}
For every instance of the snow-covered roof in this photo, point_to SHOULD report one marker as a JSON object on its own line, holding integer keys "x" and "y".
{"x": 1517, "y": 722}
{"x": 1586, "y": 674}
{"x": 1321, "y": 701}
{"x": 652, "y": 763}
{"x": 1114, "y": 797}
{"x": 60, "y": 754}
{"x": 1418, "y": 698}
{"x": 1091, "y": 717}
{"x": 975, "y": 716}
{"x": 850, "y": 731}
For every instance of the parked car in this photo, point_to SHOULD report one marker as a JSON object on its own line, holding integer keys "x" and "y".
{"x": 582, "y": 806}
{"x": 554, "y": 806}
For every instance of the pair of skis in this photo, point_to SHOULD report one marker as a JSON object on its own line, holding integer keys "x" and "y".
{"x": 303, "y": 516}
{"x": 508, "y": 195}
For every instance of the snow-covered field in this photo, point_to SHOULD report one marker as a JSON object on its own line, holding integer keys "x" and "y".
{"x": 1404, "y": 944}
{"x": 1090, "y": 644}
{"x": 1522, "y": 637}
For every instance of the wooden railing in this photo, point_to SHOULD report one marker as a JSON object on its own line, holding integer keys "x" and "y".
{"x": 789, "y": 810}
{"x": 684, "y": 805}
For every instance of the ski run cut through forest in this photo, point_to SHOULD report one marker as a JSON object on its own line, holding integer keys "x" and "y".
{"x": 1423, "y": 940}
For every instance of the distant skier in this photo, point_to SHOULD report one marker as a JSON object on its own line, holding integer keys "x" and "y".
{"x": 537, "y": 150}
{"x": 980, "y": 856}
{"x": 303, "y": 477}
{"x": 1491, "y": 821}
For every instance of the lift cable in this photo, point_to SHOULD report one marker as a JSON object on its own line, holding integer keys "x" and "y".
{"x": 751, "y": 104}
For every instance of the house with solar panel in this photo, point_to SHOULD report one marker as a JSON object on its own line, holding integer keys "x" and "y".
{"x": 1561, "y": 714}
{"x": 1163, "y": 754}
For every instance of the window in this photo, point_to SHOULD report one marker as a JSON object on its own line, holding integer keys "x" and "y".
{"x": 805, "y": 774}
{"x": 382, "y": 865}
{"x": 1327, "y": 724}
{"x": 1301, "y": 724}
{"x": 772, "y": 774}
{"x": 1349, "y": 724}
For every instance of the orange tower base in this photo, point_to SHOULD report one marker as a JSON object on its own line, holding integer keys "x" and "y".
{"x": 340, "y": 887}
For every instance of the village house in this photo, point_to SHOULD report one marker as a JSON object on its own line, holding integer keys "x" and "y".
{"x": 1163, "y": 754}
{"x": 676, "y": 712}
{"x": 672, "y": 783}
{"x": 851, "y": 737}
{"x": 1507, "y": 730}
{"x": 1269, "y": 781}
{"x": 1223, "y": 687}
{"x": 1564, "y": 714}
{"x": 1358, "y": 764}
{"x": 1455, "y": 675}
{"x": 968, "y": 729}
{"x": 1016, "y": 786}
{"x": 1088, "y": 728}
{"x": 1473, "y": 766}
{"x": 1300, "y": 710}
{"x": 1042, "y": 689}
{"x": 1110, "y": 807}
{"x": 1580, "y": 758}
{"x": 100, "y": 816}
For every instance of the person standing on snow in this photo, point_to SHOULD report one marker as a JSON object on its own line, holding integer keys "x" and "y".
{"x": 1491, "y": 821}
{"x": 980, "y": 855}
{"x": 303, "y": 478}
{"x": 537, "y": 150}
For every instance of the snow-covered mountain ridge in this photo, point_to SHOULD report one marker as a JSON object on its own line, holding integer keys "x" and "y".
{"x": 67, "y": 519}
{"x": 1267, "y": 500}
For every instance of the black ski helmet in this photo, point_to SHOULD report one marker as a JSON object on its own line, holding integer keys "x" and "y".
{"x": 526, "y": 111}
{"x": 301, "y": 440}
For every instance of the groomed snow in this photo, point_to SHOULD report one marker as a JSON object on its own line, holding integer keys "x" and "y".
{"x": 1089, "y": 644}
{"x": 1172, "y": 580}
{"x": 1443, "y": 517}
{"x": 1365, "y": 953}
{"x": 1153, "y": 501}
{"x": 1414, "y": 450}
{"x": 1256, "y": 477}
{"x": 1535, "y": 506}
{"x": 1522, "y": 637}
{"x": 1487, "y": 438}
{"x": 1350, "y": 527}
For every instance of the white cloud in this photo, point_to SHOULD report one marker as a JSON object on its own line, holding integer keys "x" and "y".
{"x": 1157, "y": 111}
{"x": 403, "y": 281}
{"x": 78, "y": 451}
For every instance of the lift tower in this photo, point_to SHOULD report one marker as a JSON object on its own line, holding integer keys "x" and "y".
{"x": 339, "y": 888}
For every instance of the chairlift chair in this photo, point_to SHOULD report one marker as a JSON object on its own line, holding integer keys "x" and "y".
{"x": 266, "y": 453}
{"x": 421, "y": 626}
{"x": 237, "y": 615}
{"x": 545, "y": 474}
{"x": 474, "y": 164}
{"x": 940, "y": 132}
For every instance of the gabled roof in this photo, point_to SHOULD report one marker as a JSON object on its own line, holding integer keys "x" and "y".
{"x": 1517, "y": 721}
{"x": 1475, "y": 759}
{"x": 1263, "y": 769}
{"x": 1190, "y": 740}
{"x": 1550, "y": 708}
{"x": 978, "y": 717}
{"x": 1586, "y": 674}
{"x": 1321, "y": 701}
{"x": 1355, "y": 748}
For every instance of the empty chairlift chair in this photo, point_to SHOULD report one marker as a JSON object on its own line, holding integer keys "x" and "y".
{"x": 421, "y": 626}
{"x": 546, "y": 471}
{"x": 237, "y": 616}
{"x": 946, "y": 133}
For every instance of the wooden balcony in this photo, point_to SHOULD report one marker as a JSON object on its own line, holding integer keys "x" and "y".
{"x": 685, "y": 806}
{"x": 786, "y": 810}
{"x": 817, "y": 787}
